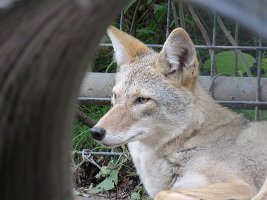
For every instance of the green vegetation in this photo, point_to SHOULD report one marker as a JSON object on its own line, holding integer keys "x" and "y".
{"x": 81, "y": 137}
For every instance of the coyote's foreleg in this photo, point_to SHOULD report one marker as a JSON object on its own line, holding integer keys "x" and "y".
{"x": 219, "y": 191}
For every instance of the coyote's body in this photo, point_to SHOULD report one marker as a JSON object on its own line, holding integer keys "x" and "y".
{"x": 179, "y": 138}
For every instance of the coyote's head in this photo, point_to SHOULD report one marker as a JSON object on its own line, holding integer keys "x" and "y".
{"x": 154, "y": 92}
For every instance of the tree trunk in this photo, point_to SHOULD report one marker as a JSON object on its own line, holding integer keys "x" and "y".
{"x": 45, "y": 48}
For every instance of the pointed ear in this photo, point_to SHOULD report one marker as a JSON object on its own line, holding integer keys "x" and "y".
{"x": 126, "y": 47}
{"x": 178, "y": 60}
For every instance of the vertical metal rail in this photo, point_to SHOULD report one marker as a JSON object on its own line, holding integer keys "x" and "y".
{"x": 214, "y": 34}
{"x": 236, "y": 54}
{"x": 213, "y": 58}
{"x": 258, "y": 92}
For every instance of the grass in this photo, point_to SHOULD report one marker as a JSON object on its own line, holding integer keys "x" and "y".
{"x": 81, "y": 137}
{"x": 250, "y": 114}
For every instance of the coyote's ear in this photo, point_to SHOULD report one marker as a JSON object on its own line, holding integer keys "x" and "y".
{"x": 126, "y": 47}
{"x": 178, "y": 60}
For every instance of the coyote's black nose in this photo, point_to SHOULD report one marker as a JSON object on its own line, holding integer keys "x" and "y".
{"x": 98, "y": 133}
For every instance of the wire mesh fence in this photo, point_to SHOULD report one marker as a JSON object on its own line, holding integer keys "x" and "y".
{"x": 256, "y": 82}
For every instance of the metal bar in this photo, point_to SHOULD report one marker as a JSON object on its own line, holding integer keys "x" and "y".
{"x": 237, "y": 41}
{"x": 258, "y": 91}
{"x": 243, "y": 104}
{"x": 94, "y": 101}
{"x": 255, "y": 48}
{"x": 103, "y": 153}
{"x": 213, "y": 58}
{"x": 231, "y": 104}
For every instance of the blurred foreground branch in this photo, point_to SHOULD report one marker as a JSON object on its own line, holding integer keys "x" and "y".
{"x": 252, "y": 14}
{"x": 45, "y": 48}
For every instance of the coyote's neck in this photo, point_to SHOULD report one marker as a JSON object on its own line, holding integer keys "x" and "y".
{"x": 209, "y": 120}
{"x": 216, "y": 116}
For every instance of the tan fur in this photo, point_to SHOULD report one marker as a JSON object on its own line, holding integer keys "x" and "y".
{"x": 137, "y": 47}
{"x": 190, "y": 74}
{"x": 178, "y": 137}
{"x": 219, "y": 191}
{"x": 122, "y": 115}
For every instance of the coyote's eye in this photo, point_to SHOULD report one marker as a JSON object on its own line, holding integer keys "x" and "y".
{"x": 140, "y": 100}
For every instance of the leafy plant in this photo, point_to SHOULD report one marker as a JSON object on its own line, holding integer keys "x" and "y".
{"x": 136, "y": 194}
{"x": 110, "y": 181}
{"x": 226, "y": 60}
{"x": 110, "y": 173}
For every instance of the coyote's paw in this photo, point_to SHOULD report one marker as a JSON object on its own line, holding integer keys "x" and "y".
{"x": 173, "y": 195}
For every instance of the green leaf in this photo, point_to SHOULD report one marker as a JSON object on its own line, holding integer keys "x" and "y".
{"x": 135, "y": 196}
{"x": 146, "y": 31}
{"x": 160, "y": 11}
{"x": 160, "y": 8}
{"x": 105, "y": 170}
{"x": 108, "y": 184}
{"x": 225, "y": 62}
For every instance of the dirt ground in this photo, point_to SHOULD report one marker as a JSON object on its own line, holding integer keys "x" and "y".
{"x": 85, "y": 177}
{"x": 85, "y": 196}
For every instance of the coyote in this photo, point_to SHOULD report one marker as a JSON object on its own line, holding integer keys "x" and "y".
{"x": 183, "y": 144}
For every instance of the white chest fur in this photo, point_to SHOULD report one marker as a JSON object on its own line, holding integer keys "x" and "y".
{"x": 158, "y": 174}
{"x": 153, "y": 171}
